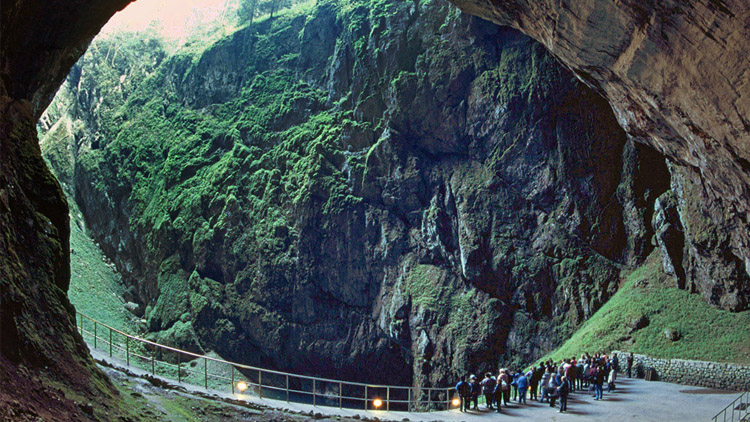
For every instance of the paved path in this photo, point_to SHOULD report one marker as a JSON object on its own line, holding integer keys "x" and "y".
{"x": 634, "y": 400}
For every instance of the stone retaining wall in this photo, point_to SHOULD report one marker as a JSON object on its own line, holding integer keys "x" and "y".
{"x": 726, "y": 376}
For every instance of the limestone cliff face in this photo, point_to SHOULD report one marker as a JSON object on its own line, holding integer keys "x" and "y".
{"x": 673, "y": 72}
{"x": 398, "y": 193}
{"x": 676, "y": 75}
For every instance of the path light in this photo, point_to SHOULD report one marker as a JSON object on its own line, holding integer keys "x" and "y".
{"x": 456, "y": 402}
{"x": 377, "y": 403}
{"x": 242, "y": 386}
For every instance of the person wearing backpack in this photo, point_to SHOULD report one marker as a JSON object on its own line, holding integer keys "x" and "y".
{"x": 504, "y": 382}
{"x": 488, "y": 388}
{"x": 498, "y": 392}
{"x": 464, "y": 393}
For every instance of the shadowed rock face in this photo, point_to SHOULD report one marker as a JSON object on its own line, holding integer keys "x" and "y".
{"x": 676, "y": 75}
{"x": 42, "y": 358}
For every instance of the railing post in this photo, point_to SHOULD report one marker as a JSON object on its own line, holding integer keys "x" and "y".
{"x": 232, "y": 366}
{"x": 366, "y": 398}
{"x": 313, "y": 393}
{"x": 341, "y": 395}
{"x": 408, "y": 400}
{"x": 388, "y": 398}
{"x": 153, "y": 364}
{"x": 205, "y": 373}
{"x": 287, "y": 388}
{"x": 110, "y": 342}
{"x": 179, "y": 372}
{"x": 127, "y": 350}
{"x": 94, "y": 334}
{"x": 260, "y": 384}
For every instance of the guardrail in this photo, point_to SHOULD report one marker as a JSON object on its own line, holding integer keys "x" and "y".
{"x": 738, "y": 410}
{"x": 222, "y": 375}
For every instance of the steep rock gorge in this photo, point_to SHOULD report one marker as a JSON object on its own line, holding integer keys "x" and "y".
{"x": 676, "y": 74}
{"x": 389, "y": 191}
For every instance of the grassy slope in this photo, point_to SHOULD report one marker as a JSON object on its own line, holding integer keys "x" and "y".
{"x": 95, "y": 287}
{"x": 707, "y": 333}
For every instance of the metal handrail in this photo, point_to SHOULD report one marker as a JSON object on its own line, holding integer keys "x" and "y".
{"x": 741, "y": 410}
{"x": 417, "y": 397}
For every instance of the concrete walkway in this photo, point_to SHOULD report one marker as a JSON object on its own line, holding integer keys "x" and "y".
{"x": 635, "y": 400}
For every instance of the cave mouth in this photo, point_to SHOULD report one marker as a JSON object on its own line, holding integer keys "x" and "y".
{"x": 36, "y": 202}
{"x": 577, "y": 138}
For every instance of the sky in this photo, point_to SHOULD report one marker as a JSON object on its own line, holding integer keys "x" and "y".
{"x": 174, "y": 17}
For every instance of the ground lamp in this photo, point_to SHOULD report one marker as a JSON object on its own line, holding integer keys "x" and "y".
{"x": 242, "y": 386}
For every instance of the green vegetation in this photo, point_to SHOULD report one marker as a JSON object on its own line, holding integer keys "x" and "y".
{"x": 197, "y": 175}
{"x": 426, "y": 288}
{"x": 706, "y": 332}
{"x": 255, "y": 174}
{"x": 96, "y": 288}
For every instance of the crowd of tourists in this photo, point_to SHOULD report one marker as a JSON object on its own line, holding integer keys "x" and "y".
{"x": 547, "y": 382}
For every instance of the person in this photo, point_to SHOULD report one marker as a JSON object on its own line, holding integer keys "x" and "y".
{"x": 563, "y": 391}
{"x": 514, "y": 385}
{"x": 629, "y": 363}
{"x": 599, "y": 376}
{"x": 545, "y": 385}
{"x": 591, "y": 377}
{"x": 522, "y": 383}
{"x": 571, "y": 373}
{"x": 498, "y": 393}
{"x": 536, "y": 376}
{"x": 476, "y": 390}
{"x": 580, "y": 373}
{"x": 504, "y": 382}
{"x": 611, "y": 378}
{"x": 552, "y": 389}
{"x": 488, "y": 388}
{"x": 615, "y": 362}
{"x": 464, "y": 393}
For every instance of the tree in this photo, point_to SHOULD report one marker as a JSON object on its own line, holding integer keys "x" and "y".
{"x": 248, "y": 9}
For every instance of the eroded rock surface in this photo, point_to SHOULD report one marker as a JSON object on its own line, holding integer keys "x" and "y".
{"x": 677, "y": 77}
{"x": 397, "y": 193}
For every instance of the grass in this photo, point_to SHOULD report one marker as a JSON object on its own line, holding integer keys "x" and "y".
{"x": 707, "y": 333}
{"x": 95, "y": 288}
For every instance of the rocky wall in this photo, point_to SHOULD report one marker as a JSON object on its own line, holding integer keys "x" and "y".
{"x": 725, "y": 376}
{"x": 675, "y": 73}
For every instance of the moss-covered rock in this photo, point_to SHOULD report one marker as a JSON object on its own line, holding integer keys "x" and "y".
{"x": 416, "y": 194}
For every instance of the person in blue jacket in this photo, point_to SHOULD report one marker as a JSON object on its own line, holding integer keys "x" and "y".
{"x": 523, "y": 384}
